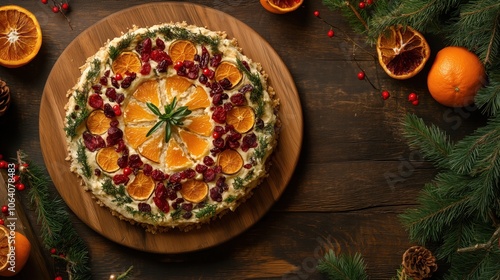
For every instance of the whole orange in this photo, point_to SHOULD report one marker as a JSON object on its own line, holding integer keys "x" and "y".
{"x": 11, "y": 264}
{"x": 281, "y": 6}
{"x": 455, "y": 77}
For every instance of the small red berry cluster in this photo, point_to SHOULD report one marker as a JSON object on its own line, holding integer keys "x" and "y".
{"x": 413, "y": 98}
{"x": 363, "y": 4}
{"x": 57, "y": 7}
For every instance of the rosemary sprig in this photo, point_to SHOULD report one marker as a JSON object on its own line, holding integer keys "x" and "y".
{"x": 172, "y": 116}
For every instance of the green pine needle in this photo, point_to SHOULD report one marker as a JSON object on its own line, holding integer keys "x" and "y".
{"x": 430, "y": 140}
{"x": 342, "y": 266}
{"x": 172, "y": 117}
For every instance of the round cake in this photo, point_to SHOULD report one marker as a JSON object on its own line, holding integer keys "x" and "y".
{"x": 170, "y": 126}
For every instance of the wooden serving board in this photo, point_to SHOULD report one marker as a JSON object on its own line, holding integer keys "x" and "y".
{"x": 53, "y": 142}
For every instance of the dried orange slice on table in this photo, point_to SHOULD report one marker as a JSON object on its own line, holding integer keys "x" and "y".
{"x": 21, "y": 252}
{"x": 281, "y": 6}
{"x": 20, "y": 36}
{"x": 97, "y": 122}
{"x": 402, "y": 52}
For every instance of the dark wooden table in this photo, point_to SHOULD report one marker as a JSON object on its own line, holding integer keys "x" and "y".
{"x": 355, "y": 174}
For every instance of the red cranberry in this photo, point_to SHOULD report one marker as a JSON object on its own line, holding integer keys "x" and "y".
{"x": 95, "y": 101}
{"x": 208, "y": 161}
{"x": 147, "y": 169}
{"x": 160, "y": 44}
{"x": 175, "y": 178}
{"x": 219, "y": 115}
{"x": 144, "y": 207}
{"x": 215, "y": 194}
{"x": 200, "y": 168}
{"x": 209, "y": 175}
{"x": 120, "y": 179}
{"x": 238, "y": 99}
{"x": 134, "y": 161}
{"x": 146, "y": 68}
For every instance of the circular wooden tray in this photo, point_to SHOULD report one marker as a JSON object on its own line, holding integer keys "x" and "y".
{"x": 53, "y": 142}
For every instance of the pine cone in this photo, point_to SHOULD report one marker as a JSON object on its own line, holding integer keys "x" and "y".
{"x": 4, "y": 97}
{"x": 419, "y": 263}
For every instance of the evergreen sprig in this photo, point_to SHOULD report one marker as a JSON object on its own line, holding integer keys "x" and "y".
{"x": 342, "y": 266}
{"x": 173, "y": 116}
{"x": 56, "y": 228}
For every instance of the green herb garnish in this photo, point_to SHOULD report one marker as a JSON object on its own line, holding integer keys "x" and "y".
{"x": 172, "y": 116}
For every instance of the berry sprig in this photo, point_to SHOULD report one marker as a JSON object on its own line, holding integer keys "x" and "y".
{"x": 60, "y": 7}
{"x": 413, "y": 98}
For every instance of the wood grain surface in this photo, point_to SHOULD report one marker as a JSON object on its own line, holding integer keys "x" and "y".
{"x": 64, "y": 75}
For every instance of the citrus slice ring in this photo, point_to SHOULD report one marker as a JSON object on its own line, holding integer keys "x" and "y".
{"x": 227, "y": 70}
{"x": 97, "y": 122}
{"x": 281, "y": 6}
{"x": 230, "y": 161}
{"x": 242, "y": 118}
{"x": 107, "y": 159}
{"x": 141, "y": 187}
{"x": 402, "y": 52}
{"x": 181, "y": 50}
{"x": 126, "y": 62}
{"x": 194, "y": 191}
{"x": 20, "y": 36}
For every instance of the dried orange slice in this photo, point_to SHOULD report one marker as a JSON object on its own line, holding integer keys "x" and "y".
{"x": 195, "y": 145}
{"x": 126, "y": 61}
{"x": 182, "y": 50}
{"x": 230, "y": 71}
{"x": 194, "y": 191}
{"x": 97, "y": 122}
{"x": 175, "y": 158}
{"x": 148, "y": 92}
{"x": 107, "y": 159}
{"x": 200, "y": 124}
{"x": 21, "y": 252}
{"x": 136, "y": 135}
{"x": 176, "y": 85}
{"x": 20, "y": 36}
{"x": 230, "y": 161}
{"x": 242, "y": 118}
{"x": 153, "y": 148}
{"x": 141, "y": 187}
{"x": 402, "y": 52}
{"x": 198, "y": 100}
{"x": 135, "y": 112}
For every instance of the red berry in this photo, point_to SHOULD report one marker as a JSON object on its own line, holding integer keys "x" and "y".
{"x": 369, "y": 2}
{"x": 5, "y": 209}
{"x": 53, "y": 251}
{"x": 316, "y": 13}
{"x": 59, "y": 277}
{"x": 117, "y": 110}
{"x": 45, "y": 1}
{"x": 127, "y": 171}
{"x": 362, "y": 5}
{"x": 385, "y": 94}
{"x": 412, "y": 97}
{"x": 216, "y": 135}
{"x": 20, "y": 187}
{"x": 361, "y": 75}
{"x": 16, "y": 178}
{"x": 2, "y": 222}
{"x": 178, "y": 65}
{"x": 415, "y": 102}
{"x": 55, "y": 9}
{"x": 331, "y": 33}
{"x": 3, "y": 164}
{"x": 65, "y": 6}
{"x": 118, "y": 77}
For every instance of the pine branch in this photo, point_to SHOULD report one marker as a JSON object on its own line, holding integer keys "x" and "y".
{"x": 430, "y": 140}
{"x": 483, "y": 246}
{"x": 488, "y": 98}
{"x": 343, "y": 267}
{"x": 56, "y": 228}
